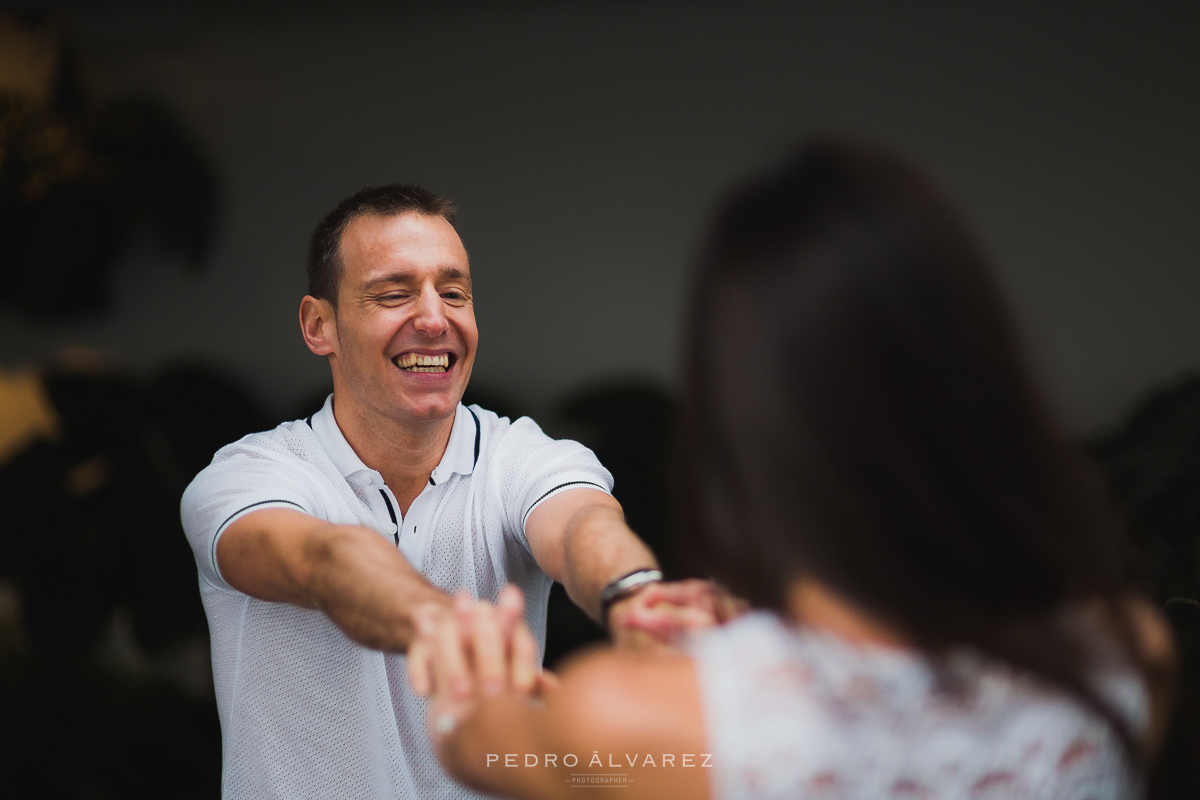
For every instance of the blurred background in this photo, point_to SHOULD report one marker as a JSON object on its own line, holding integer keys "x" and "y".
{"x": 162, "y": 165}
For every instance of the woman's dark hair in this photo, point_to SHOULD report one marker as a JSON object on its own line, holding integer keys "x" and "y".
{"x": 858, "y": 410}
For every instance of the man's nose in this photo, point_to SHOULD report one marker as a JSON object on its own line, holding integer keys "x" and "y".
{"x": 430, "y": 318}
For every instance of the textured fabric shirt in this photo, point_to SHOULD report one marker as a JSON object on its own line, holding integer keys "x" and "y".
{"x": 797, "y": 713}
{"x": 305, "y": 712}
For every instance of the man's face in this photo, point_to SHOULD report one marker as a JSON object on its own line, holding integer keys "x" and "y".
{"x": 405, "y": 318}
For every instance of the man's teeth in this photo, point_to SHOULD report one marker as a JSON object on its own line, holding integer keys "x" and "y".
{"x": 417, "y": 363}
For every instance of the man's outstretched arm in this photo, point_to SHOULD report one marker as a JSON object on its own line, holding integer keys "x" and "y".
{"x": 349, "y": 572}
{"x": 580, "y": 538}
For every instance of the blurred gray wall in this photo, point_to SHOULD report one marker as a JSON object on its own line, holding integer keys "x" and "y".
{"x": 585, "y": 144}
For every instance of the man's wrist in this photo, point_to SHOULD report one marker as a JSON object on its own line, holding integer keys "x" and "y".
{"x": 624, "y": 587}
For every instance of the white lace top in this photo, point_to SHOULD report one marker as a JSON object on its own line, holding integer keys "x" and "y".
{"x": 801, "y": 714}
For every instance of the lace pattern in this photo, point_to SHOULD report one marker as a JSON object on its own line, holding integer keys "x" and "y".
{"x": 796, "y": 713}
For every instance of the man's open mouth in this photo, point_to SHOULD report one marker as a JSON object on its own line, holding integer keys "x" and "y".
{"x": 414, "y": 362}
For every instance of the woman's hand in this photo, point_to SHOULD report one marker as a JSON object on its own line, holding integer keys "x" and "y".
{"x": 470, "y": 652}
{"x": 662, "y": 613}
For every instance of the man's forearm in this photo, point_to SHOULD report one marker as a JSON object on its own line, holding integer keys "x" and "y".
{"x": 368, "y": 589}
{"x": 599, "y": 547}
{"x": 351, "y": 573}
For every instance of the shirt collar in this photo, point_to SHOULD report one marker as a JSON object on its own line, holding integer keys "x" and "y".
{"x": 459, "y": 458}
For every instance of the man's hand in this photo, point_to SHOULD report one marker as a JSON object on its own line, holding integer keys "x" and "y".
{"x": 470, "y": 652}
{"x": 662, "y": 613}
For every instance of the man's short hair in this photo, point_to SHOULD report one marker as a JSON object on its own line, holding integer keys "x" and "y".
{"x": 325, "y": 247}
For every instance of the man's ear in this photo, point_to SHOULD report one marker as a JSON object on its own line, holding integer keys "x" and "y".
{"x": 318, "y": 326}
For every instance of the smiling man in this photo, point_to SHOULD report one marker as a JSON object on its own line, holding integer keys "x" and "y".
{"x": 318, "y": 542}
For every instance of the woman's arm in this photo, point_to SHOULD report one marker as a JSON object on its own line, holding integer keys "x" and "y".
{"x": 617, "y": 719}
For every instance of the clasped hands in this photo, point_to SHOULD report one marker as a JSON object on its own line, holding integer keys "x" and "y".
{"x": 475, "y": 650}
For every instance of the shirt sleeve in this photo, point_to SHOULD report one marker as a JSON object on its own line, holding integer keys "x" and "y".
{"x": 238, "y": 481}
{"x": 535, "y": 468}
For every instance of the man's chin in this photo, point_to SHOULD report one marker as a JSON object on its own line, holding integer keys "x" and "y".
{"x": 428, "y": 410}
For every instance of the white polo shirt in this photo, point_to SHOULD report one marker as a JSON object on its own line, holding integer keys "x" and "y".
{"x": 306, "y": 712}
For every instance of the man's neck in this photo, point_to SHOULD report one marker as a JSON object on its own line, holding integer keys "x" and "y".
{"x": 404, "y": 453}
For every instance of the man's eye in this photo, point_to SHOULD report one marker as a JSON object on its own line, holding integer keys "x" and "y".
{"x": 454, "y": 296}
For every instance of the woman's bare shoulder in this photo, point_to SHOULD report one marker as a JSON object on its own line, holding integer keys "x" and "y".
{"x": 638, "y": 698}
{"x": 614, "y": 685}
{"x": 636, "y": 710}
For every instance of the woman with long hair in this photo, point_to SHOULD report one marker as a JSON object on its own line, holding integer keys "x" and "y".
{"x": 941, "y": 604}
